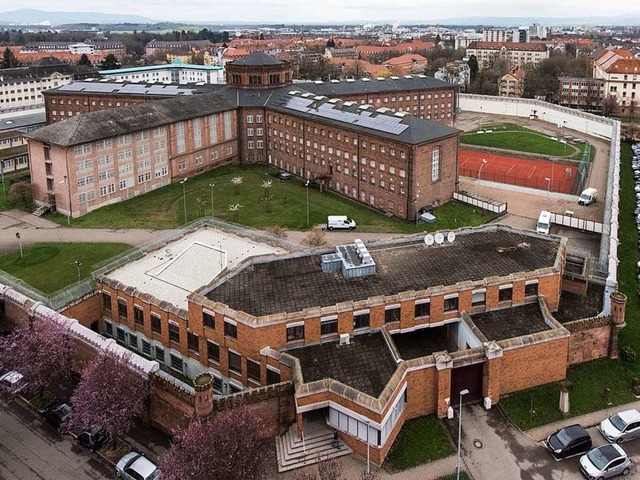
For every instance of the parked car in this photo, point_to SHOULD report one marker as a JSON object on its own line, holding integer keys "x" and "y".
{"x": 93, "y": 438}
{"x": 57, "y": 412}
{"x": 568, "y": 442}
{"x": 12, "y": 382}
{"x": 621, "y": 427}
{"x": 605, "y": 462}
{"x": 135, "y": 466}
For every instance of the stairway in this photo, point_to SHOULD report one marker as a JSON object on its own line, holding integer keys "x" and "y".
{"x": 317, "y": 447}
{"x": 42, "y": 209}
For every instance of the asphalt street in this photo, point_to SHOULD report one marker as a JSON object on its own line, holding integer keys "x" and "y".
{"x": 31, "y": 449}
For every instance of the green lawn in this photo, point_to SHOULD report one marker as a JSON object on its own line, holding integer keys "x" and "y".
{"x": 509, "y": 136}
{"x": 51, "y": 266}
{"x": 420, "y": 440}
{"x": 539, "y": 406}
{"x": 164, "y": 208}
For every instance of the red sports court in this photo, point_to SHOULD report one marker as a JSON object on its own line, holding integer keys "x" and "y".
{"x": 525, "y": 172}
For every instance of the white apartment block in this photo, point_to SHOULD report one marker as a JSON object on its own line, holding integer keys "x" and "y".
{"x": 518, "y": 54}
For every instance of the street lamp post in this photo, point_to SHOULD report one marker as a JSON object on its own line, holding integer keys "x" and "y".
{"x": 484, "y": 162}
{"x": 20, "y": 241}
{"x": 79, "y": 264}
{"x": 184, "y": 197}
{"x": 66, "y": 180}
{"x": 307, "y": 188}
{"x": 368, "y": 462}
{"x": 462, "y": 394}
{"x": 211, "y": 185}
{"x": 548, "y": 180}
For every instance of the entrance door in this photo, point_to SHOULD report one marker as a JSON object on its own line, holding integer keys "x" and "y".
{"x": 469, "y": 377}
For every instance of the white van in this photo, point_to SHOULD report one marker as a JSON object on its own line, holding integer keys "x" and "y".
{"x": 340, "y": 221}
{"x": 589, "y": 196}
{"x": 544, "y": 222}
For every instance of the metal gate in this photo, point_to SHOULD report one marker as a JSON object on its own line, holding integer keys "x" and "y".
{"x": 468, "y": 377}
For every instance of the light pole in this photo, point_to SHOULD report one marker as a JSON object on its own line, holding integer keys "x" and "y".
{"x": 78, "y": 264}
{"x": 462, "y": 394}
{"x": 368, "y": 462}
{"x": 184, "y": 197}
{"x": 306, "y": 185}
{"x": 548, "y": 180}
{"x": 211, "y": 185}
{"x": 66, "y": 180}
{"x": 20, "y": 241}
{"x": 484, "y": 162}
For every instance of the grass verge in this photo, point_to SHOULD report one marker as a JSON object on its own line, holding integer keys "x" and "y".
{"x": 51, "y": 266}
{"x": 420, "y": 440}
{"x": 282, "y": 204}
{"x": 539, "y": 406}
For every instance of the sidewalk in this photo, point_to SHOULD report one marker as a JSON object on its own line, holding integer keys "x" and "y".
{"x": 586, "y": 420}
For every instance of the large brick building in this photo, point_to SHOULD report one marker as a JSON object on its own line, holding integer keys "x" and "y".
{"x": 370, "y": 145}
{"x": 368, "y": 335}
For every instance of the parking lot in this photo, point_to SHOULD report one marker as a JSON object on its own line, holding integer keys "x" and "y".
{"x": 31, "y": 449}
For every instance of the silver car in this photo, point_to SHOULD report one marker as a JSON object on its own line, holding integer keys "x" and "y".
{"x": 605, "y": 462}
{"x": 135, "y": 466}
{"x": 621, "y": 427}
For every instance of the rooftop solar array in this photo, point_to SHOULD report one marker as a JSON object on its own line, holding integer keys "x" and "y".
{"x": 127, "y": 88}
{"x": 359, "y": 117}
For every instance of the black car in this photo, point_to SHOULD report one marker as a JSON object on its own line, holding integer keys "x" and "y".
{"x": 568, "y": 441}
{"x": 92, "y": 438}
{"x": 57, "y": 412}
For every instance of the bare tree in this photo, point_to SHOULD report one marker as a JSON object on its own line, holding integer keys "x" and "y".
{"x": 40, "y": 350}
{"x": 315, "y": 238}
{"x": 110, "y": 394}
{"x": 22, "y": 191}
{"x": 232, "y": 445}
{"x": 609, "y": 105}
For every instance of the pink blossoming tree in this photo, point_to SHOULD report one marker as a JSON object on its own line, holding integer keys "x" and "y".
{"x": 110, "y": 395}
{"x": 232, "y": 445}
{"x": 40, "y": 350}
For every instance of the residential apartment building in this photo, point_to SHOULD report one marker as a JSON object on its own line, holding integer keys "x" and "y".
{"x": 341, "y": 53}
{"x": 88, "y": 47}
{"x": 160, "y": 46}
{"x": 511, "y": 84}
{"x": 455, "y": 73}
{"x": 581, "y": 93}
{"x": 620, "y": 71}
{"x": 463, "y": 40}
{"x": 14, "y": 154}
{"x": 176, "y": 72}
{"x": 21, "y": 88}
{"x": 518, "y": 54}
{"x": 496, "y": 35}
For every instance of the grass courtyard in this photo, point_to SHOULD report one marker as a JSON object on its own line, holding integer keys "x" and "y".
{"x": 50, "y": 267}
{"x": 509, "y": 136}
{"x": 285, "y": 207}
{"x": 539, "y": 406}
{"x": 420, "y": 440}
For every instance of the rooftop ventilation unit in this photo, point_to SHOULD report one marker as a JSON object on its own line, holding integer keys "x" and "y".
{"x": 344, "y": 339}
{"x": 401, "y": 114}
{"x": 383, "y": 110}
{"x": 366, "y": 79}
{"x": 319, "y": 97}
{"x": 335, "y": 100}
{"x": 408, "y": 76}
{"x": 294, "y": 92}
{"x": 335, "y": 81}
{"x": 352, "y": 260}
{"x": 318, "y": 82}
{"x": 104, "y": 79}
{"x": 379, "y": 78}
{"x": 350, "y": 80}
{"x": 422, "y": 76}
{"x": 349, "y": 104}
{"x": 89, "y": 79}
{"x": 365, "y": 107}
{"x": 307, "y": 95}
{"x": 395, "y": 78}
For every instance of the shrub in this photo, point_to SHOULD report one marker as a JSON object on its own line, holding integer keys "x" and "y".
{"x": 628, "y": 354}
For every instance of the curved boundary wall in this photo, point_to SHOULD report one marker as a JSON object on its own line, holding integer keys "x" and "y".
{"x": 589, "y": 124}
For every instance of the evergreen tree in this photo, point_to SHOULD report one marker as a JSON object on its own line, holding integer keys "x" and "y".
{"x": 110, "y": 62}
{"x": 473, "y": 67}
{"x": 84, "y": 60}
{"x": 9, "y": 60}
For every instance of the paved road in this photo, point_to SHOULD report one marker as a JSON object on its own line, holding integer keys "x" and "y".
{"x": 30, "y": 449}
{"x": 506, "y": 453}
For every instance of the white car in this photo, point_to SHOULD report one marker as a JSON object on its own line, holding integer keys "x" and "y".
{"x": 135, "y": 466}
{"x": 621, "y": 427}
{"x": 12, "y": 382}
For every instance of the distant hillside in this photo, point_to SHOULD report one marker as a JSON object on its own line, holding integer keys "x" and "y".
{"x": 517, "y": 21}
{"x": 33, "y": 17}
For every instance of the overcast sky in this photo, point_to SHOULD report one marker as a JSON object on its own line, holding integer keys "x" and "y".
{"x": 286, "y": 11}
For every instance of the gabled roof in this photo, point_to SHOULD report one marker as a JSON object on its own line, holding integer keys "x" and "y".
{"x": 93, "y": 126}
{"x": 258, "y": 58}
